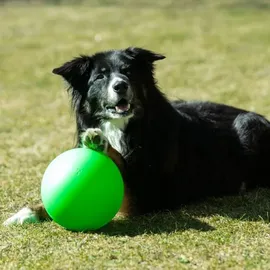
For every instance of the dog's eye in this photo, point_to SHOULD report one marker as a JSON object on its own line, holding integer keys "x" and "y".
{"x": 100, "y": 77}
{"x": 125, "y": 71}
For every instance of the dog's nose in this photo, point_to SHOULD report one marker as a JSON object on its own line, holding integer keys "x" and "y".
{"x": 120, "y": 87}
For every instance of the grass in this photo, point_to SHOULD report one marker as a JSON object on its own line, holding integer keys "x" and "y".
{"x": 216, "y": 50}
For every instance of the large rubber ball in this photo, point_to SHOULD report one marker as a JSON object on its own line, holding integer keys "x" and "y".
{"x": 82, "y": 189}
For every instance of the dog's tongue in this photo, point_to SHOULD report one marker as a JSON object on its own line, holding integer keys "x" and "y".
{"x": 121, "y": 108}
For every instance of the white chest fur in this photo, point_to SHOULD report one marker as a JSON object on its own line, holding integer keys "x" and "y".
{"x": 113, "y": 130}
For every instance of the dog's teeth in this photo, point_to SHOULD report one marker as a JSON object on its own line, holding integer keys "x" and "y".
{"x": 123, "y": 108}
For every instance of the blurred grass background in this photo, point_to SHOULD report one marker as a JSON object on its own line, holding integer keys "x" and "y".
{"x": 216, "y": 50}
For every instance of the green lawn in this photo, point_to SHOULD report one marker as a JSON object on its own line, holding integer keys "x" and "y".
{"x": 216, "y": 50}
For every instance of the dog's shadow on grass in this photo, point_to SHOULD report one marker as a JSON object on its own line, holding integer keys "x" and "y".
{"x": 252, "y": 206}
{"x": 155, "y": 224}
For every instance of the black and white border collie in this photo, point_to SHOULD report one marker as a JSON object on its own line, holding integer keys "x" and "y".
{"x": 170, "y": 153}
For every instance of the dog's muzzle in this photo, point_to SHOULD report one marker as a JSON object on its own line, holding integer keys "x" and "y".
{"x": 119, "y": 97}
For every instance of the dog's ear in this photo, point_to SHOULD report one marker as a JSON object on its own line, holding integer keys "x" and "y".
{"x": 144, "y": 54}
{"x": 75, "y": 71}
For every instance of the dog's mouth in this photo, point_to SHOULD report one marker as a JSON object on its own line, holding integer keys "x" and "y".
{"x": 122, "y": 107}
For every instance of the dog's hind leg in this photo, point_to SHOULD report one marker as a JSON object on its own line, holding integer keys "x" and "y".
{"x": 253, "y": 131}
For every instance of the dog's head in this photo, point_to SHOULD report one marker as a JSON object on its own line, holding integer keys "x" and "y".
{"x": 110, "y": 84}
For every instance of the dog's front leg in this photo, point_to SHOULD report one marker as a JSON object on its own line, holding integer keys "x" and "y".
{"x": 91, "y": 138}
{"x": 31, "y": 214}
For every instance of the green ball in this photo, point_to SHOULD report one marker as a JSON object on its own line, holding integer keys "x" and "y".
{"x": 82, "y": 189}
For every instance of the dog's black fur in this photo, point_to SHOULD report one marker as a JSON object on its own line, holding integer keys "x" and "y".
{"x": 177, "y": 152}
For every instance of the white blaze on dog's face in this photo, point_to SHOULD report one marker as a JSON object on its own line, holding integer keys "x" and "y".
{"x": 120, "y": 94}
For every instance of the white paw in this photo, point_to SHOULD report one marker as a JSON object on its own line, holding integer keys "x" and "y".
{"x": 25, "y": 215}
{"x": 93, "y": 138}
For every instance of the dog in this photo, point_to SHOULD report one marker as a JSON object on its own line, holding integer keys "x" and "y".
{"x": 170, "y": 152}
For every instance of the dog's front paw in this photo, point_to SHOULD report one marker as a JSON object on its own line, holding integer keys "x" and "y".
{"x": 25, "y": 215}
{"x": 94, "y": 139}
